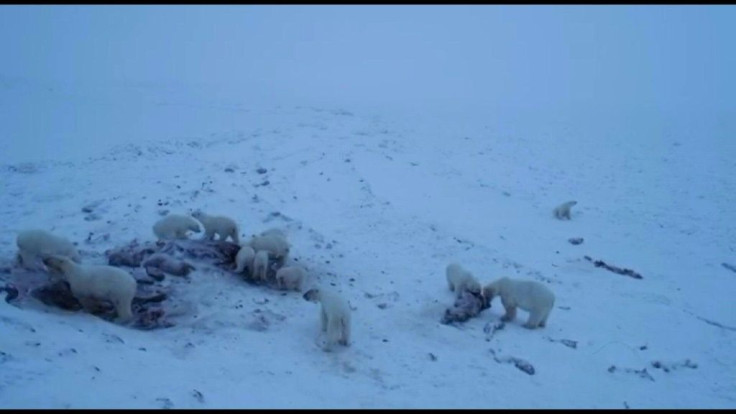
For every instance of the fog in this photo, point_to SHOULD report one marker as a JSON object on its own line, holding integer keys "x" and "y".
{"x": 562, "y": 58}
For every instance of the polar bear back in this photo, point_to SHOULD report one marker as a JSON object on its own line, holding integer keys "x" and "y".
{"x": 276, "y": 245}
{"x": 172, "y": 225}
{"x": 290, "y": 277}
{"x": 44, "y": 244}
{"x": 222, "y": 225}
{"x": 274, "y": 232}
{"x": 527, "y": 294}
{"x": 460, "y": 279}
{"x": 103, "y": 281}
{"x": 334, "y": 304}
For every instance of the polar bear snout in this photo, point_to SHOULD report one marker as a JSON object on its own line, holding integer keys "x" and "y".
{"x": 53, "y": 262}
{"x": 311, "y": 295}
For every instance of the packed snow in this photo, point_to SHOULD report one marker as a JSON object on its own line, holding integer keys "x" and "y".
{"x": 375, "y": 205}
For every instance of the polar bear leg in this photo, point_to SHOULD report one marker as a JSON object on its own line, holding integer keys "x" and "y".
{"x": 334, "y": 330}
{"x": 451, "y": 286}
{"x": 345, "y": 338}
{"x": 534, "y": 320}
{"x": 88, "y": 304}
{"x": 510, "y": 315}
{"x": 543, "y": 322}
{"x": 28, "y": 260}
{"x": 125, "y": 314}
{"x": 510, "y": 310}
{"x": 297, "y": 285}
{"x": 323, "y": 320}
{"x": 209, "y": 234}
{"x": 234, "y": 235}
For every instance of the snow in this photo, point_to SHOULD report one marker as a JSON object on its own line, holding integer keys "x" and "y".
{"x": 376, "y": 202}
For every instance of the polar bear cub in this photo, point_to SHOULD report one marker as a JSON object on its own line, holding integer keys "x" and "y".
{"x": 223, "y": 226}
{"x": 97, "y": 282}
{"x": 274, "y": 232}
{"x": 39, "y": 244}
{"x": 563, "y": 210}
{"x": 274, "y": 243}
{"x": 529, "y": 295}
{"x": 290, "y": 277}
{"x": 244, "y": 260}
{"x": 334, "y": 316}
{"x": 260, "y": 265}
{"x": 459, "y": 280}
{"x": 175, "y": 226}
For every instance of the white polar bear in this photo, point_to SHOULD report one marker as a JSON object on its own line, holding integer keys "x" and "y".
{"x": 244, "y": 260}
{"x": 459, "y": 280}
{"x": 35, "y": 245}
{"x": 274, "y": 232}
{"x": 89, "y": 282}
{"x": 334, "y": 316}
{"x": 563, "y": 210}
{"x": 290, "y": 277}
{"x": 260, "y": 265}
{"x": 220, "y": 225}
{"x": 276, "y": 245}
{"x": 531, "y": 296}
{"x": 175, "y": 226}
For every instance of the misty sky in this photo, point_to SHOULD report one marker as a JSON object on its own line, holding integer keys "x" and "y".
{"x": 563, "y": 56}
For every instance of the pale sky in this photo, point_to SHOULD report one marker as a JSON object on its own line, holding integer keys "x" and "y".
{"x": 615, "y": 56}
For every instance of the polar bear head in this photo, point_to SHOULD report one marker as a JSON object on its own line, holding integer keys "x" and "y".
{"x": 473, "y": 286}
{"x": 312, "y": 295}
{"x": 489, "y": 292}
{"x": 192, "y": 224}
{"x": 57, "y": 263}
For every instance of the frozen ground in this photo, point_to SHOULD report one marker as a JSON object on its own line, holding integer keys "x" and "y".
{"x": 376, "y": 205}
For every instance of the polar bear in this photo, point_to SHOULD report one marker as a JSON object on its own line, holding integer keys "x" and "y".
{"x": 88, "y": 282}
{"x": 175, "y": 226}
{"x": 459, "y": 280}
{"x": 35, "y": 245}
{"x": 220, "y": 225}
{"x": 334, "y": 316}
{"x": 276, "y": 245}
{"x": 290, "y": 277}
{"x": 244, "y": 260}
{"x": 529, "y": 295}
{"x": 260, "y": 265}
{"x": 563, "y": 210}
{"x": 274, "y": 232}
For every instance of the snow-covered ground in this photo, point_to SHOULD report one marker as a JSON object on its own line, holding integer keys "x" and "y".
{"x": 376, "y": 205}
